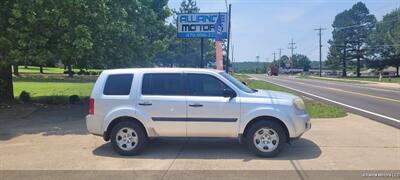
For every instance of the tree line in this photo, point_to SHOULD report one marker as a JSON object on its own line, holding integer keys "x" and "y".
{"x": 92, "y": 34}
{"x": 298, "y": 61}
{"x": 359, "y": 40}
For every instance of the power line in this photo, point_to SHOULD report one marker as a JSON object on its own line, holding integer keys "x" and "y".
{"x": 320, "y": 49}
{"x": 358, "y": 25}
{"x": 352, "y": 26}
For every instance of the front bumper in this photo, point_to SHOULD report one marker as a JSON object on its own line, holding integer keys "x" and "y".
{"x": 302, "y": 124}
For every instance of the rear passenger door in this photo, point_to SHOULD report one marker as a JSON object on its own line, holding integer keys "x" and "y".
{"x": 209, "y": 113}
{"x": 163, "y": 101}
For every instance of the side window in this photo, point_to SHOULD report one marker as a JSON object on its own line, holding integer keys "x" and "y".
{"x": 162, "y": 84}
{"x": 118, "y": 84}
{"x": 205, "y": 85}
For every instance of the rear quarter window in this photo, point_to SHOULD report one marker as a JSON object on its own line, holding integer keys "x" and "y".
{"x": 118, "y": 84}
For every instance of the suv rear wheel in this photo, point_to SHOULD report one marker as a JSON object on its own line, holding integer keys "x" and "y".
{"x": 128, "y": 138}
{"x": 266, "y": 139}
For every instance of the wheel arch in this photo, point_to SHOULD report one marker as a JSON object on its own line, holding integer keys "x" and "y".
{"x": 266, "y": 118}
{"x": 107, "y": 132}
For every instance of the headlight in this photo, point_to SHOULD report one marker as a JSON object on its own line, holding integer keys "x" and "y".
{"x": 299, "y": 104}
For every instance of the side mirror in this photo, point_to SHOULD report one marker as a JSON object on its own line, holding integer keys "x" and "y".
{"x": 244, "y": 83}
{"x": 229, "y": 93}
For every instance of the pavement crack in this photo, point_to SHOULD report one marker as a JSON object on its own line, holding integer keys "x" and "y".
{"x": 176, "y": 157}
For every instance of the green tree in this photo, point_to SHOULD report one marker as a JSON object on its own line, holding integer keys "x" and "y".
{"x": 383, "y": 44}
{"x": 80, "y": 33}
{"x": 6, "y": 46}
{"x": 282, "y": 61}
{"x": 300, "y": 61}
{"x": 349, "y": 37}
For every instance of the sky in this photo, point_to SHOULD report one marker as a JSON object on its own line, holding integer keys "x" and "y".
{"x": 261, "y": 27}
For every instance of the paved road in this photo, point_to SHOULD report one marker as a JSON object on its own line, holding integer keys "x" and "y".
{"x": 379, "y": 104}
{"x": 55, "y": 138}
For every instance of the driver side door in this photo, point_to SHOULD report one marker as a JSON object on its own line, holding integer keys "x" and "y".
{"x": 209, "y": 113}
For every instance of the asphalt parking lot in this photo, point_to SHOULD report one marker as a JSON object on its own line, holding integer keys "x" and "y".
{"x": 55, "y": 138}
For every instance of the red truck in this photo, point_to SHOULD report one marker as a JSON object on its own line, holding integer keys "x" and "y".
{"x": 274, "y": 71}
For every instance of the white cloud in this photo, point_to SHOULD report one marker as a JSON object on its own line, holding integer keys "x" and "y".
{"x": 289, "y": 14}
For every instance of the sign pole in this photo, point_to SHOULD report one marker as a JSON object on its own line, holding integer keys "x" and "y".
{"x": 228, "y": 63}
{"x": 202, "y": 53}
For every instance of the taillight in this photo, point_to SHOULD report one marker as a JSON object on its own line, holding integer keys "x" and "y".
{"x": 91, "y": 106}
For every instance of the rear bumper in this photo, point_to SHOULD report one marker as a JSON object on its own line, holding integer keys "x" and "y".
{"x": 93, "y": 126}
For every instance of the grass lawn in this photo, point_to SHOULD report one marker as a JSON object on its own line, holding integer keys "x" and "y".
{"x": 53, "y": 88}
{"x": 47, "y": 70}
{"x": 38, "y": 89}
{"x": 315, "y": 108}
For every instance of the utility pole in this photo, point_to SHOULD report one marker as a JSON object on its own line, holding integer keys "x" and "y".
{"x": 344, "y": 72}
{"x": 229, "y": 38}
{"x": 280, "y": 52}
{"x": 280, "y": 55}
{"x": 233, "y": 59}
{"x": 292, "y": 47}
{"x": 358, "y": 57}
{"x": 258, "y": 61}
{"x": 320, "y": 49}
{"x": 274, "y": 55}
{"x": 186, "y": 56}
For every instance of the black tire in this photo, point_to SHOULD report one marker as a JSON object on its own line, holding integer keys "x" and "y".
{"x": 141, "y": 135}
{"x": 266, "y": 124}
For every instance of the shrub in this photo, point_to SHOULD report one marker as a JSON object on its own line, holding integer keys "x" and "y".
{"x": 81, "y": 72}
{"x": 86, "y": 99}
{"x": 74, "y": 99}
{"x": 53, "y": 100}
{"x": 25, "y": 97}
{"x": 2, "y": 87}
{"x": 66, "y": 72}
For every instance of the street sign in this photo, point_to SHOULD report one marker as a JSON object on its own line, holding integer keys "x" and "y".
{"x": 201, "y": 25}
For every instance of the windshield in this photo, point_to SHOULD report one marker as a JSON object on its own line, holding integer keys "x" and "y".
{"x": 236, "y": 82}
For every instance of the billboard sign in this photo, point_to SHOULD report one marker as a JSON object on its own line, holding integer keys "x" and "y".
{"x": 201, "y": 25}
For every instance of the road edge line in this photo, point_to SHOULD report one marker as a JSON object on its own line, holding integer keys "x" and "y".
{"x": 333, "y": 101}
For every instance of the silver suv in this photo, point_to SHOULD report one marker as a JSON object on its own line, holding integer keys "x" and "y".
{"x": 129, "y": 106}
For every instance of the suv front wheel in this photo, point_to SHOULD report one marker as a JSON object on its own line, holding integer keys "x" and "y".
{"x": 128, "y": 138}
{"x": 266, "y": 139}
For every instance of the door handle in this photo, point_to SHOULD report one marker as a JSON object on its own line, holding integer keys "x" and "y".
{"x": 196, "y": 105}
{"x": 145, "y": 104}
